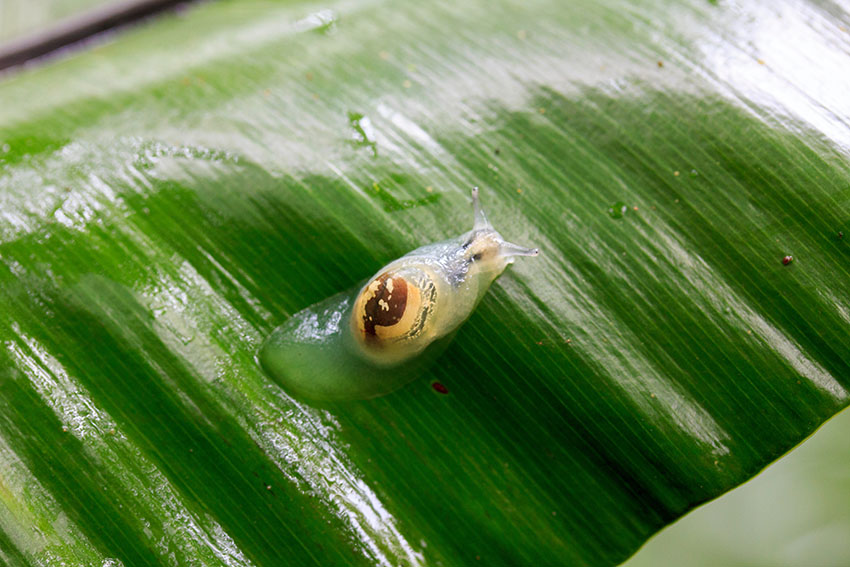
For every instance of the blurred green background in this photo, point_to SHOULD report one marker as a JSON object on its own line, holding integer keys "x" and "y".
{"x": 22, "y": 17}
{"x": 795, "y": 513}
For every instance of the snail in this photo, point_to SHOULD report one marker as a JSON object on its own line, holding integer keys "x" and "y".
{"x": 368, "y": 342}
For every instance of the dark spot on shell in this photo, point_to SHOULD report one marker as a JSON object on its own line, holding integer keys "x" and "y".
{"x": 476, "y": 257}
{"x": 440, "y": 388}
{"x": 385, "y": 308}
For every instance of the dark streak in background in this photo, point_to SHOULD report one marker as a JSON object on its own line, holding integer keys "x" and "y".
{"x": 80, "y": 27}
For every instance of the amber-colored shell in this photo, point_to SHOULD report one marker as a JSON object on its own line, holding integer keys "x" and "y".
{"x": 394, "y": 307}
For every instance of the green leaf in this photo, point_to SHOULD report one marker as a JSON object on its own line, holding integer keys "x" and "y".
{"x": 170, "y": 198}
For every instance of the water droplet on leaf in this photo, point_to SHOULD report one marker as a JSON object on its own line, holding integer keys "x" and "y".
{"x": 617, "y": 210}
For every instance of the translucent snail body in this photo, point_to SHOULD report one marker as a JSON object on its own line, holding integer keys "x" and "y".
{"x": 371, "y": 341}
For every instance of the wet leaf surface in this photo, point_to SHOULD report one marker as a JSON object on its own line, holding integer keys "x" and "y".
{"x": 168, "y": 199}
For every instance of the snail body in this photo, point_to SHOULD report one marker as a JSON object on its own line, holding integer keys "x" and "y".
{"x": 368, "y": 342}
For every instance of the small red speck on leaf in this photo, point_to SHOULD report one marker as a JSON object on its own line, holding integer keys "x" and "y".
{"x": 440, "y": 388}
{"x": 787, "y": 260}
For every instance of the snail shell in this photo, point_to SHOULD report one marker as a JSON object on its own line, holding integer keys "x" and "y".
{"x": 384, "y": 335}
{"x": 392, "y": 310}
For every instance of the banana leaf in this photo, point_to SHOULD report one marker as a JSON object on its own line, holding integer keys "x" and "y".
{"x": 170, "y": 197}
